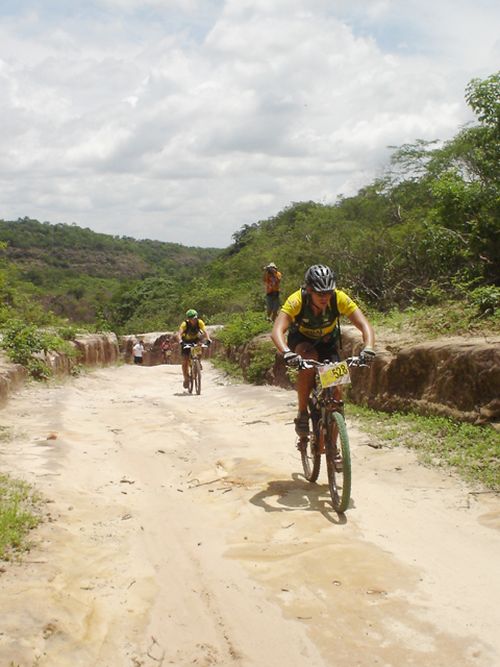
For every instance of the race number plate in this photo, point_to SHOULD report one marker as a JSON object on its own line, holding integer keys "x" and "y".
{"x": 334, "y": 374}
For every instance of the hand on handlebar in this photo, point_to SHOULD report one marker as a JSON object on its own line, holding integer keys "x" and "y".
{"x": 367, "y": 356}
{"x": 292, "y": 359}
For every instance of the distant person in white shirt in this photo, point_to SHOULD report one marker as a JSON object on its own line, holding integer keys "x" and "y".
{"x": 138, "y": 351}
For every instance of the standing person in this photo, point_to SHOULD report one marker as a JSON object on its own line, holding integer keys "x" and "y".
{"x": 138, "y": 351}
{"x": 272, "y": 280}
{"x": 191, "y": 329}
{"x": 308, "y": 326}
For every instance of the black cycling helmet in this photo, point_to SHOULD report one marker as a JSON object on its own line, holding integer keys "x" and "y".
{"x": 320, "y": 278}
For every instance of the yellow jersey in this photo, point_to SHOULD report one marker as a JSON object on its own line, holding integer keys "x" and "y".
{"x": 317, "y": 326}
{"x": 190, "y": 333}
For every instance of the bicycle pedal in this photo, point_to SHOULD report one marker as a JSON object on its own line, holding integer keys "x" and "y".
{"x": 302, "y": 443}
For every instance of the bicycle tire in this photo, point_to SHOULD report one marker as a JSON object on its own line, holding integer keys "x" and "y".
{"x": 309, "y": 452}
{"x": 197, "y": 376}
{"x": 337, "y": 441}
{"x": 190, "y": 379}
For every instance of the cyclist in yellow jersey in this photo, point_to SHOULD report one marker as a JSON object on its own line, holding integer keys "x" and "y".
{"x": 308, "y": 327}
{"x": 191, "y": 329}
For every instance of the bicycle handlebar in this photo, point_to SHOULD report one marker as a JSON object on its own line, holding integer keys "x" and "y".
{"x": 312, "y": 363}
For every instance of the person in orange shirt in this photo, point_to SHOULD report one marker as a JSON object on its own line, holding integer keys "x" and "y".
{"x": 272, "y": 279}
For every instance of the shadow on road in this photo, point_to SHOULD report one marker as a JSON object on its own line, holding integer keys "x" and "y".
{"x": 297, "y": 494}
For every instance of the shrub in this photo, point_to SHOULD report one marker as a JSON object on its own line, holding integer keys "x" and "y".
{"x": 242, "y": 327}
{"x": 23, "y": 341}
{"x": 485, "y": 299}
{"x": 261, "y": 361}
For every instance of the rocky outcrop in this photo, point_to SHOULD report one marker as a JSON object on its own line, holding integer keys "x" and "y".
{"x": 12, "y": 377}
{"x": 97, "y": 349}
{"x": 161, "y": 347}
{"x": 457, "y": 378}
{"x": 90, "y": 350}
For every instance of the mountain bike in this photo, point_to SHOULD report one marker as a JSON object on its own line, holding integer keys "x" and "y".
{"x": 328, "y": 434}
{"x": 194, "y": 377}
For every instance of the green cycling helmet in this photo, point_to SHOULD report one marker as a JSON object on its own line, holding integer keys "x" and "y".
{"x": 191, "y": 313}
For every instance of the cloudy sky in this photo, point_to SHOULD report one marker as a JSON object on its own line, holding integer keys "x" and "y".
{"x": 182, "y": 120}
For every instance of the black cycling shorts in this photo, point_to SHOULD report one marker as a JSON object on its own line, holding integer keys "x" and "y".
{"x": 325, "y": 347}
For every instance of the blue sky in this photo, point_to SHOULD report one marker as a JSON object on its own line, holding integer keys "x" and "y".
{"x": 182, "y": 120}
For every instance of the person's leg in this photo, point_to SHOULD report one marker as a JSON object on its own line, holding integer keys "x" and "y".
{"x": 305, "y": 379}
{"x": 275, "y": 306}
{"x": 269, "y": 307}
{"x": 185, "y": 366}
{"x": 305, "y": 384}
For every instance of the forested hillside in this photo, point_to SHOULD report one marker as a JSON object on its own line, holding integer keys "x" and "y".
{"x": 77, "y": 273}
{"x": 424, "y": 234}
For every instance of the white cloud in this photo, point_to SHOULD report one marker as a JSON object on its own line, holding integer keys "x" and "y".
{"x": 183, "y": 120}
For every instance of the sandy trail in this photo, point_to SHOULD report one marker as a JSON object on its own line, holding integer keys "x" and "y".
{"x": 181, "y": 533}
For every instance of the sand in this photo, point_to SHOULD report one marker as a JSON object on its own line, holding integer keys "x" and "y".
{"x": 179, "y": 531}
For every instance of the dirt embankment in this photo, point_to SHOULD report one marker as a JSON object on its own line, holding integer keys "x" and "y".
{"x": 91, "y": 350}
{"x": 454, "y": 377}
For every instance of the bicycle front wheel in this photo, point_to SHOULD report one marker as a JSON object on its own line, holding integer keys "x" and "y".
{"x": 338, "y": 462}
{"x": 191, "y": 379}
{"x": 197, "y": 375}
{"x": 310, "y": 450}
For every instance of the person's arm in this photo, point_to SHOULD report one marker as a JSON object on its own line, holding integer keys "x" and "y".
{"x": 360, "y": 322}
{"x": 280, "y": 328}
{"x": 203, "y": 330}
{"x": 179, "y": 334}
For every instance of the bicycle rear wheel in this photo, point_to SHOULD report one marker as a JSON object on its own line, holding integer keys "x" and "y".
{"x": 338, "y": 461}
{"x": 309, "y": 449}
{"x": 197, "y": 375}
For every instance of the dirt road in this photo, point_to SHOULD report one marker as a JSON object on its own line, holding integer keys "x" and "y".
{"x": 181, "y": 533}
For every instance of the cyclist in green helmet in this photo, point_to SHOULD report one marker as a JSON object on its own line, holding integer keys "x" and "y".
{"x": 191, "y": 329}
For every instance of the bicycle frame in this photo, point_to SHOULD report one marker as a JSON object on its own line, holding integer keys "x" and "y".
{"x": 195, "y": 352}
{"x": 329, "y": 432}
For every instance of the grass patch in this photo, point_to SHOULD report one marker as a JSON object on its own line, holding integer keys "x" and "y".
{"x": 229, "y": 367}
{"x": 444, "y": 319}
{"x": 472, "y": 451}
{"x": 19, "y": 506}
